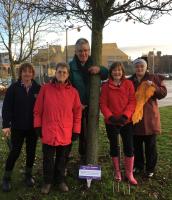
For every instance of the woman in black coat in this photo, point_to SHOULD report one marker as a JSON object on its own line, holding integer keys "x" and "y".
{"x": 17, "y": 116}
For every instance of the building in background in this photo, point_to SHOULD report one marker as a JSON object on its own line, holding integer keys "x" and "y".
{"x": 159, "y": 63}
{"x": 110, "y": 53}
{"x": 4, "y": 64}
{"x": 70, "y": 53}
{"x": 54, "y": 54}
{"x": 49, "y": 56}
{"x": 45, "y": 59}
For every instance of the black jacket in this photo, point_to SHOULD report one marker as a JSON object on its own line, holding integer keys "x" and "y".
{"x": 18, "y": 105}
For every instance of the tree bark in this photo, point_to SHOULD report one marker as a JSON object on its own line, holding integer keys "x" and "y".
{"x": 93, "y": 116}
{"x": 13, "y": 72}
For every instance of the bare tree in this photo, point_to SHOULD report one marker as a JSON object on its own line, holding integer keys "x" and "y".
{"x": 96, "y": 14}
{"x": 19, "y": 30}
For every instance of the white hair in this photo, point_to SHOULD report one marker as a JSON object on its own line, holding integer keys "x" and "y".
{"x": 140, "y": 61}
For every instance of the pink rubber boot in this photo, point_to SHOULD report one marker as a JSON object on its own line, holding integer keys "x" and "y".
{"x": 115, "y": 161}
{"x": 129, "y": 162}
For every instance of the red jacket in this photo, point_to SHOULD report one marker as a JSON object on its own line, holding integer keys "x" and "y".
{"x": 58, "y": 111}
{"x": 117, "y": 100}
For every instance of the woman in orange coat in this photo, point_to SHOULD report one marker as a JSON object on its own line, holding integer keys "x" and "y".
{"x": 117, "y": 103}
{"x": 58, "y": 113}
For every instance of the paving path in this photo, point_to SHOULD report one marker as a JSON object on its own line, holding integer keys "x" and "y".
{"x": 167, "y": 101}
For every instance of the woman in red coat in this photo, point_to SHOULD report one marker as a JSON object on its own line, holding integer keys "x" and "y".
{"x": 117, "y": 103}
{"x": 57, "y": 113}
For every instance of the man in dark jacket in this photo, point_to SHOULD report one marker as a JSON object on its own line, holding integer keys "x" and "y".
{"x": 81, "y": 67}
{"x": 17, "y": 115}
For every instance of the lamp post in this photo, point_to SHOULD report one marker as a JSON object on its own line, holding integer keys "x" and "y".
{"x": 48, "y": 57}
{"x": 169, "y": 64}
{"x": 66, "y": 45}
{"x": 153, "y": 62}
{"x": 69, "y": 27}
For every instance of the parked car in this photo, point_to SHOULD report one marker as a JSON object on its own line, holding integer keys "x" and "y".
{"x": 166, "y": 76}
{"x": 170, "y": 74}
{"x": 6, "y": 81}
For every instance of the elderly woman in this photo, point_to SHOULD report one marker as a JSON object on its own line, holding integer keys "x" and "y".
{"x": 58, "y": 113}
{"x": 17, "y": 116}
{"x": 149, "y": 88}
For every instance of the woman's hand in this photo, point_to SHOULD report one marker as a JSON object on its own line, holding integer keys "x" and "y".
{"x": 6, "y": 132}
{"x": 150, "y": 83}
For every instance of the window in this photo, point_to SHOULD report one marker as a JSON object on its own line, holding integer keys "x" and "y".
{"x": 6, "y": 60}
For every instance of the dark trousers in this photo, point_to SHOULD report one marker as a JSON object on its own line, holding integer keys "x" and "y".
{"x": 54, "y": 162}
{"x": 145, "y": 148}
{"x": 17, "y": 140}
{"x": 82, "y": 136}
{"x": 127, "y": 139}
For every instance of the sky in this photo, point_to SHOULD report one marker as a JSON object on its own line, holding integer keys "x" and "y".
{"x": 134, "y": 39}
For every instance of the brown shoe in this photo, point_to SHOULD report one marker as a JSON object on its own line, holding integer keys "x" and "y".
{"x": 45, "y": 188}
{"x": 63, "y": 187}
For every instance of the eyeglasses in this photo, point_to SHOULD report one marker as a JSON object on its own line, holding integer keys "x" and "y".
{"x": 83, "y": 50}
{"x": 62, "y": 72}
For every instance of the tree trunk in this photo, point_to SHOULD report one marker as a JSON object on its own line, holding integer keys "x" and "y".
{"x": 13, "y": 72}
{"x": 12, "y": 65}
{"x": 93, "y": 116}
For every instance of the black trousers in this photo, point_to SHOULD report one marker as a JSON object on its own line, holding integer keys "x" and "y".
{"x": 17, "y": 140}
{"x": 145, "y": 150}
{"x": 54, "y": 162}
{"x": 127, "y": 139}
{"x": 82, "y": 136}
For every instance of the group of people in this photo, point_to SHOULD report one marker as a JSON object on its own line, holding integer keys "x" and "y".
{"x": 57, "y": 112}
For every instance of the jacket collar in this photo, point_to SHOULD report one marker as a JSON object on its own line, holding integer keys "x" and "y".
{"x": 134, "y": 77}
{"x": 79, "y": 66}
{"x": 66, "y": 85}
{"x": 112, "y": 85}
{"x": 19, "y": 82}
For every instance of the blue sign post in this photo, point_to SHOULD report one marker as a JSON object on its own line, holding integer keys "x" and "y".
{"x": 90, "y": 172}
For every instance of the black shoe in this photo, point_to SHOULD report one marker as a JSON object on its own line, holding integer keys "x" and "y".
{"x": 29, "y": 181}
{"x": 6, "y": 185}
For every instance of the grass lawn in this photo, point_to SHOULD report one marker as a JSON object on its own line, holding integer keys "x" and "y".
{"x": 160, "y": 187}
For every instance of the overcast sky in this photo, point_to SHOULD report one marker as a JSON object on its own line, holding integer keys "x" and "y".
{"x": 133, "y": 39}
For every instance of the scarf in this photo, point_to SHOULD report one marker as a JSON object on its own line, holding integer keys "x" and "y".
{"x": 143, "y": 94}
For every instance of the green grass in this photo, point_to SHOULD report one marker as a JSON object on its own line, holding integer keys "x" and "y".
{"x": 159, "y": 187}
